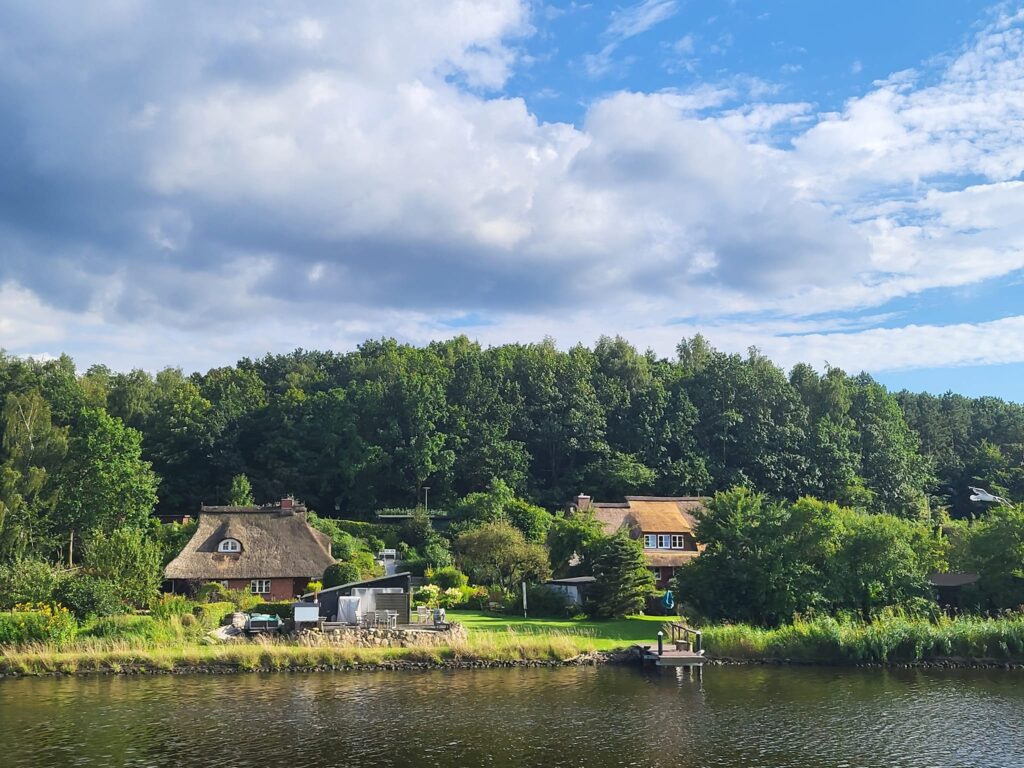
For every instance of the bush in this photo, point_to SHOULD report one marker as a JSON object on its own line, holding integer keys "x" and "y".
{"x": 340, "y": 573}
{"x": 213, "y": 592}
{"x": 213, "y": 615}
{"x": 542, "y": 600}
{"x": 88, "y": 595}
{"x": 28, "y": 581}
{"x": 166, "y": 606}
{"x": 449, "y": 598}
{"x": 427, "y": 595}
{"x": 126, "y": 627}
{"x": 416, "y": 565}
{"x": 448, "y": 577}
{"x": 37, "y": 623}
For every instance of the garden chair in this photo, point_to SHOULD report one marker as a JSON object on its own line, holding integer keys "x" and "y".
{"x": 422, "y": 614}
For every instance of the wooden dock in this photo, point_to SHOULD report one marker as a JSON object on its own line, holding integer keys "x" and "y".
{"x": 683, "y": 648}
{"x": 673, "y": 658}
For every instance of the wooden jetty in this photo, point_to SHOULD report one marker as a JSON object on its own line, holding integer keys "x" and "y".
{"x": 682, "y": 649}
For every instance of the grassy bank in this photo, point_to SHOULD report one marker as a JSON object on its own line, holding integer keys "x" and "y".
{"x": 890, "y": 639}
{"x": 279, "y": 654}
{"x": 505, "y": 639}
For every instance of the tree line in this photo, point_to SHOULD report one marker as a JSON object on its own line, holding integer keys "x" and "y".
{"x": 351, "y": 433}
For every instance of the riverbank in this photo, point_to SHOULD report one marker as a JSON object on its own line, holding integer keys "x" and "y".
{"x": 268, "y": 655}
{"x": 492, "y": 640}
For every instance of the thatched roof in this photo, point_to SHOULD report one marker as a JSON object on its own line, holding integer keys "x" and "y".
{"x": 647, "y": 514}
{"x": 276, "y": 543}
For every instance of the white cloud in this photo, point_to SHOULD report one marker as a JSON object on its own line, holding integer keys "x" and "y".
{"x": 201, "y": 168}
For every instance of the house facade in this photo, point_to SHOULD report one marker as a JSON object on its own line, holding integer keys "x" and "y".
{"x": 664, "y": 524}
{"x": 271, "y": 550}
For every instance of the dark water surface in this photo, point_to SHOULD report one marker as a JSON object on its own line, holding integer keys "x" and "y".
{"x": 593, "y": 717}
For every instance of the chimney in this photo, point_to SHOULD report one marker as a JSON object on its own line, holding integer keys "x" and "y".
{"x": 582, "y": 502}
{"x": 287, "y": 506}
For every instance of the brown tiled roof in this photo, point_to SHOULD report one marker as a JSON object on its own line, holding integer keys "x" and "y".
{"x": 275, "y": 543}
{"x": 655, "y": 558}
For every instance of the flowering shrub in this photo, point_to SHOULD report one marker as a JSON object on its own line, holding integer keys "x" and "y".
{"x": 449, "y": 598}
{"x": 428, "y": 595}
{"x": 37, "y": 623}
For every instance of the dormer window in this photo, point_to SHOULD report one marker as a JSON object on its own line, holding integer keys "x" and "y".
{"x": 230, "y": 546}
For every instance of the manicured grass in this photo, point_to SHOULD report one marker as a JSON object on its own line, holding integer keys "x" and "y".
{"x": 599, "y": 635}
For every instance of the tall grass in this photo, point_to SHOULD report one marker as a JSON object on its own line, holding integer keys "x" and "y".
{"x": 265, "y": 653}
{"x": 889, "y": 638}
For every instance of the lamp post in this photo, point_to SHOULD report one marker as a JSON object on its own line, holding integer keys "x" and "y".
{"x": 661, "y": 644}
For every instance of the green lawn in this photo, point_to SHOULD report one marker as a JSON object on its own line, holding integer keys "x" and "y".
{"x": 604, "y": 635}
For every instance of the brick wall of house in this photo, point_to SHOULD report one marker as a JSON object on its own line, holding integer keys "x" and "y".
{"x": 281, "y": 590}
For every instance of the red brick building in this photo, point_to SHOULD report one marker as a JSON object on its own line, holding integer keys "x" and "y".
{"x": 271, "y": 550}
{"x": 664, "y": 524}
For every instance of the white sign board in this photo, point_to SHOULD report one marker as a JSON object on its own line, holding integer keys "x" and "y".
{"x": 307, "y": 613}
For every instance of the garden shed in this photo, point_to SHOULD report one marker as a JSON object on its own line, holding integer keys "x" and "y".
{"x": 345, "y": 602}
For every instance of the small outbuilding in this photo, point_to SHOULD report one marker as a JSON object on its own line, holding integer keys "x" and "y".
{"x": 345, "y": 603}
{"x": 574, "y": 587}
{"x": 948, "y": 586}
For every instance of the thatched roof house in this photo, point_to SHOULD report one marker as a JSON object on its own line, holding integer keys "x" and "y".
{"x": 665, "y": 524}
{"x": 272, "y": 550}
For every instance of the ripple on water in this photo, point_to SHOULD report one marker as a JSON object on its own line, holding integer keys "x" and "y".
{"x": 591, "y": 717}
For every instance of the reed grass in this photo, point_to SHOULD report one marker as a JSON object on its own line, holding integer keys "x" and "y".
{"x": 890, "y": 638}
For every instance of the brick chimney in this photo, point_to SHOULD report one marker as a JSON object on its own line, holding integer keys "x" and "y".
{"x": 288, "y": 506}
{"x": 582, "y": 502}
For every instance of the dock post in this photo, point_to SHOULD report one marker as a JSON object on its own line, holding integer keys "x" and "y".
{"x": 661, "y": 647}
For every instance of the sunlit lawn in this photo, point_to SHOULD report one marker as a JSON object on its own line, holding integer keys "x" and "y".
{"x": 603, "y": 635}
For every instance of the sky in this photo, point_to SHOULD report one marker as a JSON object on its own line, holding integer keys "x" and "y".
{"x": 840, "y": 184}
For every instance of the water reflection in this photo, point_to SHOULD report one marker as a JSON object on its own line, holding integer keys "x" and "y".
{"x": 736, "y": 717}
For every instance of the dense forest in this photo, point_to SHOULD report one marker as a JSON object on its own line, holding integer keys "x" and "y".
{"x": 351, "y": 433}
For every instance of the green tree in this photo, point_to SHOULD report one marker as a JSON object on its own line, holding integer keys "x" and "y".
{"x": 33, "y": 449}
{"x": 574, "y": 538}
{"x": 622, "y": 581}
{"x": 240, "y": 494}
{"x": 104, "y": 483}
{"x": 130, "y": 560}
{"x": 498, "y": 553}
{"x": 995, "y": 551}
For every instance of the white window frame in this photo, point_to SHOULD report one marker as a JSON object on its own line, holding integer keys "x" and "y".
{"x": 230, "y": 546}
{"x": 260, "y": 586}
{"x": 664, "y": 541}
{"x": 650, "y": 541}
{"x": 678, "y": 537}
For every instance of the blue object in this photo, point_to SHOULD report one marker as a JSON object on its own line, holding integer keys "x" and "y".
{"x": 668, "y": 599}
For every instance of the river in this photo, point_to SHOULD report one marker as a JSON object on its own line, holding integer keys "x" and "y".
{"x": 592, "y": 717}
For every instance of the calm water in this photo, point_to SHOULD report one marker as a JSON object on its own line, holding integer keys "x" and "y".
{"x": 738, "y": 716}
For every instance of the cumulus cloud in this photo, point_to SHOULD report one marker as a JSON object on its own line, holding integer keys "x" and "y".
{"x": 292, "y": 174}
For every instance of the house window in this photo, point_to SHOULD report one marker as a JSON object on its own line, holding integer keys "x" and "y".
{"x": 663, "y": 540}
{"x": 650, "y": 541}
{"x": 230, "y": 545}
{"x": 678, "y": 541}
{"x": 260, "y": 586}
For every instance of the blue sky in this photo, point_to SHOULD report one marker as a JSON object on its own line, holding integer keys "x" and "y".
{"x": 836, "y": 183}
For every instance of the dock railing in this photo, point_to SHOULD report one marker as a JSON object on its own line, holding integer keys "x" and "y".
{"x": 684, "y": 638}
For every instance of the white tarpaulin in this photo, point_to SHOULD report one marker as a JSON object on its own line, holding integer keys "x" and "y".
{"x": 348, "y": 610}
